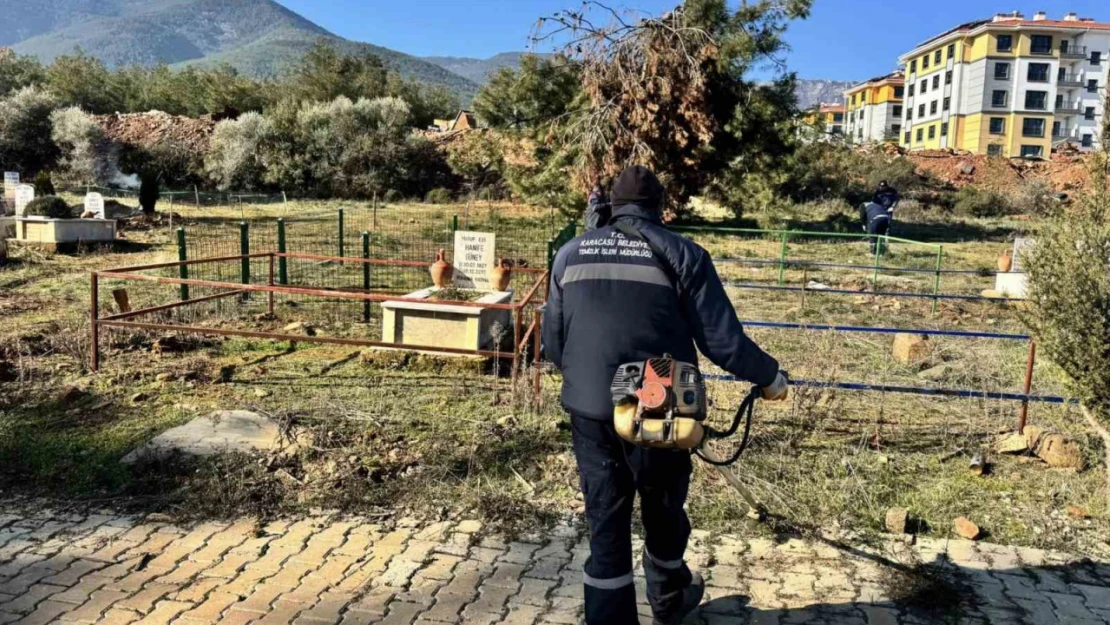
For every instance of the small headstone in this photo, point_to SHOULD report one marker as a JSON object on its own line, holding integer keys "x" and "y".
{"x": 11, "y": 180}
{"x": 1021, "y": 245}
{"x": 1012, "y": 444}
{"x": 474, "y": 255}
{"x": 24, "y": 193}
{"x": 94, "y": 203}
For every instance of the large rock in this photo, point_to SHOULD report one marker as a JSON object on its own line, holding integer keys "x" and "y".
{"x": 1033, "y": 436}
{"x": 910, "y": 348}
{"x": 965, "y": 528}
{"x": 897, "y": 520}
{"x": 1059, "y": 452}
{"x": 220, "y": 432}
{"x": 939, "y": 373}
{"x": 1012, "y": 444}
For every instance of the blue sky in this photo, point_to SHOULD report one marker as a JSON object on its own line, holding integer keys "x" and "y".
{"x": 842, "y": 39}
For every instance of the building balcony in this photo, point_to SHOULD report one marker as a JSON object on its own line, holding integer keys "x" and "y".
{"x": 1068, "y": 108}
{"x": 1069, "y": 80}
{"x": 1073, "y": 52}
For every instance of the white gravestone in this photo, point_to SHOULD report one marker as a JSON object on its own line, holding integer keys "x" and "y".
{"x": 474, "y": 255}
{"x": 11, "y": 180}
{"x": 94, "y": 203}
{"x": 24, "y": 193}
{"x": 1015, "y": 283}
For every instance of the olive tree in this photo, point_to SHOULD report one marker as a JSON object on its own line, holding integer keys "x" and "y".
{"x": 87, "y": 155}
{"x": 1069, "y": 298}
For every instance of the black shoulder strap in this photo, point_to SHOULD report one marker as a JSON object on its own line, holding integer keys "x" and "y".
{"x": 632, "y": 231}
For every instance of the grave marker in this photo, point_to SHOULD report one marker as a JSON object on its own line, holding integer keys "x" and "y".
{"x": 24, "y": 193}
{"x": 1021, "y": 245}
{"x": 94, "y": 203}
{"x": 11, "y": 180}
{"x": 474, "y": 255}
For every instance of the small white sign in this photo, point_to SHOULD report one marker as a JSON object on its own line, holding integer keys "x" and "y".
{"x": 11, "y": 180}
{"x": 24, "y": 193}
{"x": 94, "y": 203}
{"x": 474, "y": 256}
{"x": 1021, "y": 245}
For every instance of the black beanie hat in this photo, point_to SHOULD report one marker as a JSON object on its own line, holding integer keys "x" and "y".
{"x": 637, "y": 185}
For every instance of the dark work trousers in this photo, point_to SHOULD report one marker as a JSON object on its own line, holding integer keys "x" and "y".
{"x": 878, "y": 225}
{"x": 611, "y": 472}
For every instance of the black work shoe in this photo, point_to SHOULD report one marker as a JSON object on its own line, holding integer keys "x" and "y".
{"x": 691, "y": 598}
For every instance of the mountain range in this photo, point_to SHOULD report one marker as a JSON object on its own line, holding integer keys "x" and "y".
{"x": 257, "y": 37}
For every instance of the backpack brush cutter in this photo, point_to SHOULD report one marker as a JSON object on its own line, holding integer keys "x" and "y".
{"x": 661, "y": 404}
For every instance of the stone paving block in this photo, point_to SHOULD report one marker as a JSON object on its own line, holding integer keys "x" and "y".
{"x": 215, "y": 604}
{"x": 522, "y": 615}
{"x": 448, "y": 607}
{"x": 117, "y": 616}
{"x": 74, "y": 572}
{"x": 506, "y": 575}
{"x": 330, "y": 607}
{"x": 457, "y": 544}
{"x": 230, "y": 565}
{"x": 546, "y": 568}
{"x": 421, "y": 590}
{"x": 82, "y": 590}
{"x": 144, "y": 600}
{"x": 282, "y": 613}
{"x": 564, "y": 610}
{"x": 401, "y": 613}
{"x": 99, "y": 603}
{"x": 1070, "y": 606}
{"x": 47, "y": 612}
{"x": 164, "y": 613}
{"x": 535, "y": 592}
{"x": 491, "y": 600}
{"x": 1098, "y": 597}
{"x": 375, "y": 601}
{"x": 26, "y": 603}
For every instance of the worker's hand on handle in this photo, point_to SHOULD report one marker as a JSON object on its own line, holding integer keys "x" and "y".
{"x": 778, "y": 390}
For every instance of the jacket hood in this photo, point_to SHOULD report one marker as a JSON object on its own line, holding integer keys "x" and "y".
{"x": 635, "y": 210}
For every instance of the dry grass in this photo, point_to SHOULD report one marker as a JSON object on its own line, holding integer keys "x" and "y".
{"x": 394, "y": 433}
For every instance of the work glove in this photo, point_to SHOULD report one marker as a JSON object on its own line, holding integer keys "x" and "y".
{"x": 777, "y": 390}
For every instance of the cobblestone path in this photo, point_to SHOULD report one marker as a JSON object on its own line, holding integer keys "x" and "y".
{"x": 105, "y": 568}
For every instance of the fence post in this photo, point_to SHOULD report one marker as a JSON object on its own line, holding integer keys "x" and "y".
{"x": 550, "y": 253}
{"x": 1028, "y": 386}
{"x": 283, "y": 273}
{"x": 366, "y": 275}
{"x": 936, "y": 281}
{"x": 878, "y": 253}
{"x": 196, "y": 195}
{"x": 341, "y": 233}
{"x": 183, "y": 255}
{"x": 244, "y": 250}
{"x": 94, "y": 322}
{"x": 782, "y": 261}
{"x": 455, "y": 223}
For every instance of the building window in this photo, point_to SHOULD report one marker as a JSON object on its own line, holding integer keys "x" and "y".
{"x": 925, "y": 62}
{"x": 998, "y": 126}
{"x": 1032, "y": 127}
{"x": 1088, "y": 140}
{"x": 920, "y": 134}
{"x": 944, "y": 129}
{"x": 913, "y": 68}
{"x": 1040, "y": 44}
{"x": 1096, "y": 57}
{"x": 899, "y": 92}
{"x": 906, "y": 139}
{"x": 896, "y": 129}
{"x": 1092, "y": 85}
{"x": 948, "y": 77}
{"x": 1005, "y": 43}
{"x": 1031, "y": 151}
{"x": 896, "y": 110}
{"x": 1089, "y": 113}
{"x": 994, "y": 150}
{"x": 936, "y": 82}
{"x": 1038, "y": 72}
{"x": 947, "y": 104}
{"x": 911, "y": 91}
{"x": 998, "y": 99}
{"x": 933, "y": 107}
{"x": 951, "y": 50}
{"x": 838, "y": 118}
{"x": 933, "y": 131}
{"x": 909, "y": 114}
{"x": 1057, "y": 130}
{"x": 937, "y": 57}
{"x": 1001, "y": 71}
{"x": 1036, "y": 100}
{"x": 921, "y": 110}
{"x": 924, "y": 86}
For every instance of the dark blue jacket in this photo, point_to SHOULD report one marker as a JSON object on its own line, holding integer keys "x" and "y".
{"x": 886, "y": 198}
{"x": 612, "y": 301}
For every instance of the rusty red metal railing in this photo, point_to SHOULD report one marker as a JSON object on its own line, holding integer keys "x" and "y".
{"x": 232, "y": 289}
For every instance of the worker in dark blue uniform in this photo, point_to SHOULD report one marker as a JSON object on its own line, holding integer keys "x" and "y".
{"x": 616, "y": 299}
{"x": 878, "y": 214}
{"x": 598, "y": 208}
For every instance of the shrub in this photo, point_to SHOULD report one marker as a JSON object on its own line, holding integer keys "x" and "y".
{"x": 25, "y": 143}
{"x": 973, "y": 202}
{"x": 43, "y": 183}
{"x": 87, "y": 155}
{"x": 1069, "y": 299}
{"x": 1034, "y": 197}
{"x": 392, "y": 196}
{"x": 438, "y": 195}
{"x": 50, "y": 206}
{"x": 233, "y": 160}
